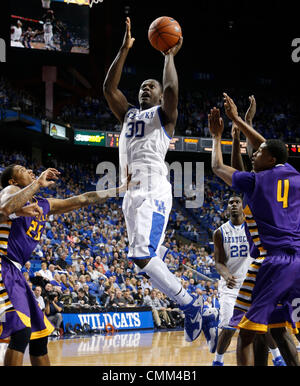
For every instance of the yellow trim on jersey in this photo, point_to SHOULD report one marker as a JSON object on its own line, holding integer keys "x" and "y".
{"x": 25, "y": 319}
{"x": 36, "y": 334}
{"x": 285, "y": 324}
{"x": 246, "y": 293}
{"x": 248, "y": 325}
{"x": 238, "y": 301}
{"x": 251, "y": 274}
{"x": 248, "y": 284}
{"x": 41, "y": 334}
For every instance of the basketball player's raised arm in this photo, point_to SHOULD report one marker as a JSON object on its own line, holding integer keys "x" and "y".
{"x": 115, "y": 98}
{"x": 249, "y": 120}
{"x": 255, "y": 139}
{"x": 170, "y": 89}
{"x": 236, "y": 156}
{"x": 216, "y": 127}
{"x": 220, "y": 259}
{"x": 59, "y": 206}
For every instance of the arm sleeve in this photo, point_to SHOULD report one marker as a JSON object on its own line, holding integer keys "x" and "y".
{"x": 244, "y": 182}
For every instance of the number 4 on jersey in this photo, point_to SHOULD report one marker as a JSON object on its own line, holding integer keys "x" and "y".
{"x": 283, "y": 196}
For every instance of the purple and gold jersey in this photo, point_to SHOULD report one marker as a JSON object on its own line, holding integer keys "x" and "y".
{"x": 271, "y": 207}
{"x": 18, "y": 238}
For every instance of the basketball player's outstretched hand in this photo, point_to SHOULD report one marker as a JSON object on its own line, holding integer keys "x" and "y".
{"x": 251, "y": 110}
{"x": 32, "y": 210}
{"x": 128, "y": 40}
{"x": 230, "y": 107}
{"x": 215, "y": 122}
{"x": 126, "y": 185}
{"x": 173, "y": 51}
{"x": 47, "y": 177}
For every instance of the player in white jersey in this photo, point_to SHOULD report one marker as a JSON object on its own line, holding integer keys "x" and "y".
{"x": 232, "y": 262}
{"x": 48, "y": 35}
{"x": 144, "y": 142}
{"x": 15, "y": 35}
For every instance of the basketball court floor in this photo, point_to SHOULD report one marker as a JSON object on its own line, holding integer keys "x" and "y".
{"x": 138, "y": 348}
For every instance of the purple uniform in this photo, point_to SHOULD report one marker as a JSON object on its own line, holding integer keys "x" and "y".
{"x": 270, "y": 292}
{"x": 18, "y": 306}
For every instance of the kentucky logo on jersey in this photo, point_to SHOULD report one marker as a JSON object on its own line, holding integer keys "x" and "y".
{"x": 160, "y": 206}
{"x": 141, "y": 115}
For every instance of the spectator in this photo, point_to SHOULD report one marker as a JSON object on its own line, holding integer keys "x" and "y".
{"x": 80, "y": 298}
{"x": 159, "y": 313}
{"x": 61, "y": 262}
{"x": 38, "y": 295}
{"x": 139, "y": 297}
{"x": 53, "y": 310}
{"x": 129, "y": 300}
{"x": 27, "y": 268}
{"x": 45, "y": 273}
{"x": 105, "y": 295}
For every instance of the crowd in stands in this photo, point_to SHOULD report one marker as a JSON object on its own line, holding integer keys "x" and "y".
{"x": 12, "y": 97}
{"x": 82, "y": 255}
{"x": 276, "y": 116}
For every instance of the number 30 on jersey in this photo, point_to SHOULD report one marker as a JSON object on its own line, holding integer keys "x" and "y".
{"x": 135, "y": 129}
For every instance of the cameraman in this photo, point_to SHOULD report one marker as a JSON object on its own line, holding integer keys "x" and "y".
{"x": 53, "y": 311}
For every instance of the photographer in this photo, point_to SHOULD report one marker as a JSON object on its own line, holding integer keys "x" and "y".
{"x": 53, "y": 311}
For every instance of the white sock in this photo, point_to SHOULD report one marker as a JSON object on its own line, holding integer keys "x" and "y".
{"x": 166, "y": 282}
{"x": 275, "y": 352}
{"x": 219, "y": 357}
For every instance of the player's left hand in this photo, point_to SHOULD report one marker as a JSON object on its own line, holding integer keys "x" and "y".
{"x": 128, "y": 40}
{"x": 215, "y": 122}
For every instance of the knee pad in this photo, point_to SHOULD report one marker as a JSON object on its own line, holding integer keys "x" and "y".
{"x": 38, "y": 347}
{"x": 20, "y": 339}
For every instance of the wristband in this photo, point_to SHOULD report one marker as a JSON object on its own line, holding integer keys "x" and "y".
{"x": 13, "y": 216}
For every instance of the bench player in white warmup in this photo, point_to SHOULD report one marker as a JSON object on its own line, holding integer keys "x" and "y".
{"x": 144, "y": 142}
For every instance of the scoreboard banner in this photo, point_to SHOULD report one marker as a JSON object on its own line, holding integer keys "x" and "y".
{"x": 89, "y": 138}
{"x": 184, "y": 144}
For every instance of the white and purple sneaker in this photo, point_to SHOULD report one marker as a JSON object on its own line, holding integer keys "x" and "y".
{"x": 193, "y": 318}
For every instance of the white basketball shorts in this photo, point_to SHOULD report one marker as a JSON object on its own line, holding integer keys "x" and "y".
{"x": 146, "y": 216}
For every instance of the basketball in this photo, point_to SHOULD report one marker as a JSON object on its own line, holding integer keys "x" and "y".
{"x": 164, "y": 33}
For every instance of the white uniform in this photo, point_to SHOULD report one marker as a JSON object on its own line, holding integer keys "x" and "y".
{"x": 15, "y": 36}
{"x": 48, "y": 34}
{"x": 142, "y": 149}
{"x": 236, "y": 249}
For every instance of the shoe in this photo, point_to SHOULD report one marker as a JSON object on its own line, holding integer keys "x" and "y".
{"x": 278, "y": 361}
{"x": 210, "y": 328}
{"x": 212, "y": 343}
{"x": 298, "y": 347}
{"x": 216, "y": 363}
{"x": 193, "y": 318}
